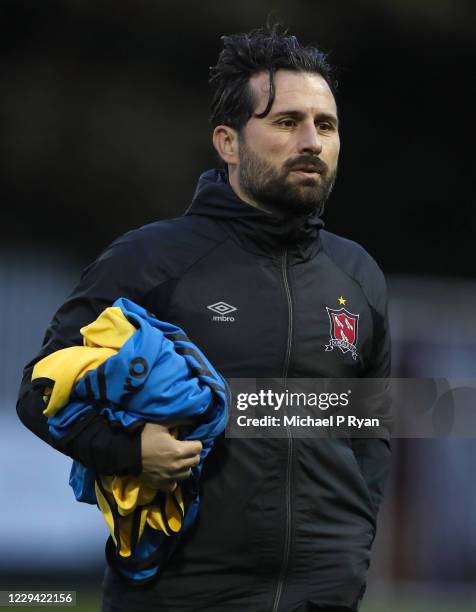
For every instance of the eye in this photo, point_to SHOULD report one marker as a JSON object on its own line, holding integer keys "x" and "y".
{"x": 325, "y": 126}
{"x": 287, "y": 123}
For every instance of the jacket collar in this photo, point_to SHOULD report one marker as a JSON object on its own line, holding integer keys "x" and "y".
{"x": 256, "y": 230}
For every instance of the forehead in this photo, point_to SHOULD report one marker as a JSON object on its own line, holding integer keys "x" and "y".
{"x": 302, "y": 91}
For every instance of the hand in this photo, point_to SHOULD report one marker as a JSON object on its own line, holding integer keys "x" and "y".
{"x": 166, "y": 460}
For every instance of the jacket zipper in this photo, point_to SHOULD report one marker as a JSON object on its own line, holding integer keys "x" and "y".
{"x": 289, "y": 463}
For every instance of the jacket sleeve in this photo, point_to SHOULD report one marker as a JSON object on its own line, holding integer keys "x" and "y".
{"x": 121, "y": 271}
{"x": 96, "y": 445}
{"x": 373, "y": 454}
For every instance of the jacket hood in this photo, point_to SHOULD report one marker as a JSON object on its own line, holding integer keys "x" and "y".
{"x": 268, "y": 232}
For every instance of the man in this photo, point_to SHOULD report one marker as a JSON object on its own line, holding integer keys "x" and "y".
{"x": 284, "y": 525}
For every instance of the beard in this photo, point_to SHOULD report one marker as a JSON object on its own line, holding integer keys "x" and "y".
{"x": 274, "y": 189}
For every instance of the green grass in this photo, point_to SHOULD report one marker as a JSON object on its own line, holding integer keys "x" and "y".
{"x": 88, "y": 600}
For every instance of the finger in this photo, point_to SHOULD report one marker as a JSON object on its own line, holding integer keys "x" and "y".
{"x": 183, "y": 475}
{"x": 187, "y": 463}
{"x": 183, "y": 467}
{"x": 189, "y": 448}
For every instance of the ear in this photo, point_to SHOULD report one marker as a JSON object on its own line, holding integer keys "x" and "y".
{"x": 225, "y": 141}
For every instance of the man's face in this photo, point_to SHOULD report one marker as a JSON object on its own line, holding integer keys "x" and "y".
{"x": 289, "y": 158}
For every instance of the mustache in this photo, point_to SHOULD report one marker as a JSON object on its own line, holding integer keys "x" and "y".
{"x": 311, "y": 163}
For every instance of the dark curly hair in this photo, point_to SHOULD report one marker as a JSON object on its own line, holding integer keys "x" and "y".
{"x": 243, "y": 55}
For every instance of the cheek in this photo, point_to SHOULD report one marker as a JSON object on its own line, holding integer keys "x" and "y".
{"x": 332, "y": 152}
{"x": 271, "y": 145}
{"x": 279, "y": 150}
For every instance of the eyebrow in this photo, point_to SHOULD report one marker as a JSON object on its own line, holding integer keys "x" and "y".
{"x": 299, "y": 116}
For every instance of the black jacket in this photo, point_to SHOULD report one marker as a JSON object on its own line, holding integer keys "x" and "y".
{"x": 284, "y": 524}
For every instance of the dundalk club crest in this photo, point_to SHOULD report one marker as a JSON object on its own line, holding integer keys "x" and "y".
{"x": 344, "y": 331}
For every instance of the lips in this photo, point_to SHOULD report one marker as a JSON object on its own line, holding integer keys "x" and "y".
{"x": 306, "y": 171}
{"x": 305, "y": 166}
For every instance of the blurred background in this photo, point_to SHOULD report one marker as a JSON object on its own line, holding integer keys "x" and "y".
{"x": 104, "y": 128}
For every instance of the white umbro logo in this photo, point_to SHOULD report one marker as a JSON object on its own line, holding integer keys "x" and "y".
{"x": 222, "y": 309}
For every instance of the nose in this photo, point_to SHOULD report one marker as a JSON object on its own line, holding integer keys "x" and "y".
{"x": 309, "y": 140}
